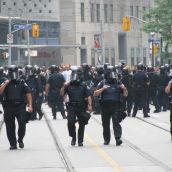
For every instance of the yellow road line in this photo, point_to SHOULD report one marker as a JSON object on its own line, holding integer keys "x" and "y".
{"x": 104, "y": 154}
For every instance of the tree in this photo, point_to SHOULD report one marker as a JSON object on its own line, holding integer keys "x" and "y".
{"x": 160, "y": 21}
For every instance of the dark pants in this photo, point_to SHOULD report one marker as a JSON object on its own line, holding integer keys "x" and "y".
{"x": 55, "y": 101}
{"x": 110, "y": 110}
{"x": 162, "y": 98}
{"x": 140, "y": 97}
{"x": 39, "y": 100}
{"x": 10, "y": 113}
{"x": 74, "y": 115}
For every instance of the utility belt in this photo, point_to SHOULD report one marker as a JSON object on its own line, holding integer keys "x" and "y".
{"x": 77, "y": 104}
{"x": 13, "y": 102}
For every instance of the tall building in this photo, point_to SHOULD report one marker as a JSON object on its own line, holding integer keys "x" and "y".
{"x": 97, "y": 25}
{"x": 43, "y": 12}
{"x": 89, "y": 31}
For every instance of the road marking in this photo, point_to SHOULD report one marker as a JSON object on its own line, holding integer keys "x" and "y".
{"x": 104, "y": 154}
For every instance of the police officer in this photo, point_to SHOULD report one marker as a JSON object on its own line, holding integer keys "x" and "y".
{"x": 78, "y": 93}
{"x": 110, "y": 91}
{"x": 16, "y": 95}
{"x": 140, "y": 82}
{"x": 52, "y": 89}
{"x": 34, "y": 83}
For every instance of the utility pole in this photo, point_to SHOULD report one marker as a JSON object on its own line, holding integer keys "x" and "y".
{"x": 9, "y": 44}
{"x": 102, "y": 31}
{"x": 28, "y": 44}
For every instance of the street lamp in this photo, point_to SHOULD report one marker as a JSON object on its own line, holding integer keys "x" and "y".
{"x": 152, "y": 48}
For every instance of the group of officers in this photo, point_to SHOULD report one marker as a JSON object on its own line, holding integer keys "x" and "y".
{"x": 106, "y": 89}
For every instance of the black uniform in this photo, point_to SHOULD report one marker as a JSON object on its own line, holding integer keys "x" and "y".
{"x": 55, "y": 100}
{"x": 111, "y": 108}
{"x": 140, "y": 80}
{"x": 77, "y": 92}
{"x": 14, "y": 105}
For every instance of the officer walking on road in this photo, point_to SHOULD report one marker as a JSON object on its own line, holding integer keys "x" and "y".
{"x": 16, "y": 96}
{"x": 140, "y": 82}
{"x": 78, "y": 105}
{"x": 52, "y": 89}
{"x": 110, "y": 91}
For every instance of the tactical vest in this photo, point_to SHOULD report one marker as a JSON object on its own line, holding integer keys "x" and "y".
{"x": 112, "y": 93}
{"x": 76, "y": 93}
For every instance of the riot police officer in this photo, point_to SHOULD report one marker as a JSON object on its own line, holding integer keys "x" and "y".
{"x": 52, "y": 89}
{"x": 34, "y": 83}
{"x": 140, "y": 82}
{"x": 78, "y": 93}
{"x": 110, "y": 91}
{"x": 16, "y": 95}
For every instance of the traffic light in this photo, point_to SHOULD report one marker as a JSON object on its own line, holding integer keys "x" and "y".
{"x": 35, "y": 30}
{"x": 155, "y": 49}
{"x": 126, "y": 23}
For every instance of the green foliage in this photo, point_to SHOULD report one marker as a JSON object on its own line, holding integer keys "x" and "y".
{"x": 160, "y": 21}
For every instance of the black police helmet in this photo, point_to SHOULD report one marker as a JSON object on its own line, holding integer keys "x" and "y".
{"x": 162, "y": 70}
{"x": 1, "y": 70}
{"x": 53, "y": 68}
{"x": 13, "y": 72}
{"x": 140, "y": 66}
{"x": 76, "y": 74}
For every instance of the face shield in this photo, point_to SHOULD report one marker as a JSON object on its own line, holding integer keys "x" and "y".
{"x": 13, "y": 73}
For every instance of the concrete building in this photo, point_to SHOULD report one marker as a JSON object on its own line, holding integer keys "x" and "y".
{"x": 97, "y": 25}
{"x": 43, "y": 12}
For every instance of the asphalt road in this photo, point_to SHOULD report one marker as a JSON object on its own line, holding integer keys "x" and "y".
{"x": 146, "y": 147}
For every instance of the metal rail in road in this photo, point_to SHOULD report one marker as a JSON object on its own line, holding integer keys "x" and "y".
{"x": 66, "y": 161}
{"x": 140, "y": 151}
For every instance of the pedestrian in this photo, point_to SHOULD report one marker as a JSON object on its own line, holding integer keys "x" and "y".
{"x": 79, "y": 102}
{"x": 16, "y": 95}
{"x": 111, "y": 107}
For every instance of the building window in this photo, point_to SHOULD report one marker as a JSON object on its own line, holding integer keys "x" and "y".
{"x": 106, "y": 55}
{"x": 35, "y": 5}
{"x": 14, "y": 3}
{"x": 92, "y": 12}
{"x": 144, "y": 56}
{"x": 93, "y": 56}
{"x": 50, "y": 11}
{"x": 82, "y": 12}
{"x": 113, "y": 56}
{"x": 83, "y": 42}
{"x": 132, "y": 56}
{"x": 105, "y": 13}
{"x": 98, "y": 12}
{"x": 49, "y": 0}
{"x": 131, "y": 11}
{"x": 25, "y": 4}
{"x": 30, "y": 10}
{"x": 40, "y": 11}
{"x": 4, "y": 3}
{"x": 137, "y": 11}
{"x": 138, "y": 55}
{"x": 45, "y": 5}
{"x": 111, "y": 13}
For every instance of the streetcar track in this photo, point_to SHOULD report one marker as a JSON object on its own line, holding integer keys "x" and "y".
{"x": 140, "y": 151}
{"x": 65, "y": 160}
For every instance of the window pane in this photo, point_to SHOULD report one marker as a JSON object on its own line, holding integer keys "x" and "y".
{"x": 106, "y": 55}
{"x": 93, "y": 57}
{"x": 112, "y": 56}
{"x": 98, "y": 12}
{"x": 82, "y": 12}
{"x": 92, "y": 12}
{"x": 137, "y": 11}
{"x": 111, "y": 13}
{"x": 105, "y": 13}
{"x": 131, "y": 11}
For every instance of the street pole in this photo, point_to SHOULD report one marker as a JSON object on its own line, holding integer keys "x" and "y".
{"x": 9, "y": 44}
{"x": 102, "y": 32}
{"x": 28, "y": 44}
{"x": 153, "y": 59}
